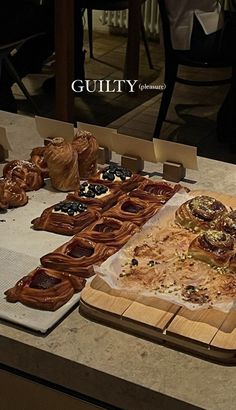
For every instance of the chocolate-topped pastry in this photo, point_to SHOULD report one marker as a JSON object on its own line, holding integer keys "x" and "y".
{"x": 200, "y": 213}
{"x": 95, "y": 194}
{"x": 213, "y": 247}
{"x": 11, "y": 194}
{"x": 25, "y": 174}
{"x": 155, "y": 191}
{"x": 37, "y": 157}
{"x": 45, "y": 289}
{"x": 78, "y": 256}
{"x": 228, "y": 223}
{"x": 87, "y": 148}
{"x": 66, "y": 217}
{"x": 117, "y": 177}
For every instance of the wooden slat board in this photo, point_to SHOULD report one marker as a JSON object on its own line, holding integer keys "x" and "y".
{"x": 210, "y": 333}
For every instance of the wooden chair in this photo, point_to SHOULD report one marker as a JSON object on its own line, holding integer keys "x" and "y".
{"x": 173, "y": 59}
{"x": 111, "y": 5}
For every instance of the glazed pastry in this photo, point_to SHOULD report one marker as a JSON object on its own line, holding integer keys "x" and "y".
{"x": 11, "y": 194}
{"x": 155, "y": 191}
{"x": 25, "y": 174}
{"x": 110, "y": 231}
{"x": 62, "y": 160}
{"x": 133, "y": 210}
{"x": 77, "y": 256}
{"x": 66, "y": 217}
{"x": 87, "y": 148}
{"x": 97, "y": 195}
{"x": 37, "y": 157}
{"x": 228, "y": 223}
{"x": 45, "y": 289}
{"x": 117, "y": 177}
{"x": 200, "y": 213}
{"x": 212, "y": 247}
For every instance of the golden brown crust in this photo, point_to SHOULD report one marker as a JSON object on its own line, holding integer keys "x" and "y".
{"x": 37, "y": 157}
{"x": 228, "y": 223}
{"x": 125, "y": 186}
{"x": 62, "y": 161}
{"x": 105, "y": 202}
{"x": 11, "y": 194}
{"x": 62, "y": 223}
{"x": 78, "y": 256}
{"x": 87, "y": 148}
{"x": 25, "y": 174}
{"x": 155, "y": 191}
{"x": 132, "y": 209}
{"x": 200, "y": 213}
{"x": 110, "y": 231}
{"x": 45, "y": 289}
{"x": 213, "y": 247}
{"x": 232, "y": 263}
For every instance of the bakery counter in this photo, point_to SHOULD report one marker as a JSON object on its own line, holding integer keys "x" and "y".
{"x": 83, "y": 359}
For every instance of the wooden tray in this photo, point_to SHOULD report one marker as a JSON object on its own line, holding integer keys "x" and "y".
{"x": 208, "y": 333}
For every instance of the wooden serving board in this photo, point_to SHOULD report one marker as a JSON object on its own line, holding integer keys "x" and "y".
{"x": 208, "y": 333}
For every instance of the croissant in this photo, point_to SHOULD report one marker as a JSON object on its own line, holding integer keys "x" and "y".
{"x": 66, "y": 218}
{"x": 87, "y": 148}
{"x": 62, "y": 161}
{"x": 25, "y": 174}
{"x": 117, "y": 177}
{"x": 45, "y": 289}
{"x": 228, "y": 223}
{"x": 37, "y": 157}
{"x": 213, "y": 247}
{"x": 11, "y": 194}
{"x": 110, "y": 231}
{"x": 200, "y": 213}
{"x": 155, "y": 191}
{"x": 96, "y": 195}
{"x": 133, "y": 210}
{"x": 77, "y": 256}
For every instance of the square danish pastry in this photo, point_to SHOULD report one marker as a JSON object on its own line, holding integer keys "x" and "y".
{"x": 155, "y": 191}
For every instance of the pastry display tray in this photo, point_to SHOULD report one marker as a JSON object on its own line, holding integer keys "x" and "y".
{"x": 208, "y": 333}
{"x": 20, "y": 250}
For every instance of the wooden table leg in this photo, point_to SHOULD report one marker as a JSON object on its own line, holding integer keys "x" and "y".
{"x": 132, "y": 52}
{"x": 64, "y": 47}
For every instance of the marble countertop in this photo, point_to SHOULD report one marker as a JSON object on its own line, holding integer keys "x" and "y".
{"x": 109, "y": 365}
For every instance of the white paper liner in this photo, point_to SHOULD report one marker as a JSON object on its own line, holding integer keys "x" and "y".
{"x": 111, "y": 269}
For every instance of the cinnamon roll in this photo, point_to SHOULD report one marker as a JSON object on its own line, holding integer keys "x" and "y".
{"x": 66, "y": 217}
{"x": 213, "y": 247}
{"x": 110, "y": 231}
{"x": 37, "y": 157}
{"x": 228, "y": 223}
{"x": 87, "y": 148}
{"x": 25, "y": 174}
{"x": 96, "y": 195}
{"x": 77, "y": 256}
{"x": 117, "y": 177}
{"x": 200, "y": 213}
{"x": 132, "y": 210}
{"x": 155, "y": 191}
{"x": 45, "y": 289}
{"x": 11, "y": 194}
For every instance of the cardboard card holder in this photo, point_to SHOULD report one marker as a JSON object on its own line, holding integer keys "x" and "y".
{"x": 49, "y": 128}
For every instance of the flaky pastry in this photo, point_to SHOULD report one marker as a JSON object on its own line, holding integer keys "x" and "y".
{"x": 87, "y": 148}
{"x": 155, "y": 191}
{"x": 37, "y": 157}
{"x": 228, "y": 223}
{"x": 25, "y": 174}
{"x": 11, "y": 194}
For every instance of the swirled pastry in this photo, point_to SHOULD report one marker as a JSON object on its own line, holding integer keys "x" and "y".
{"x": 11, "y": 194}
{"x": 25, "y": 174}
{"x": 78, "y": 256}
{"x": 228, "y": 223}
{"x": 62, "y": 161}
{"x": 87, "y": 148}
{"x": 200, "y": 213}
{"x": 45, "y": 289}
{"x": 37, "y": 157}
{"x": 155, "y": 191}
{"x": 97, "y": 195}
{"x": 213, "y": 247}
{"x": 110, "y": 231}
{"x": 133, "y": 210}
{"x": 66, "y": 218}
{"x": 117, "y": 177}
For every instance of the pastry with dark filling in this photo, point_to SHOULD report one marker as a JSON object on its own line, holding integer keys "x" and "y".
{"x": 45, "y": 289}
{"x": 77, "y": 256}
{"x": 87, "y": 148}
{"x": 200, "y": 213}
{"x": 37, "y": 157}
{"x": 11, "y": 194}
{"x": 25, "y": 174}
{"x": 228, "y": 223}
{"x": 213, "y": 247}
{"x": 155, "y": 191}
{"x": 134, "y": 210}
{"x": 66, "y": 217}
{"x": 110, "y": 231}
{"x": 117, "y": 177}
